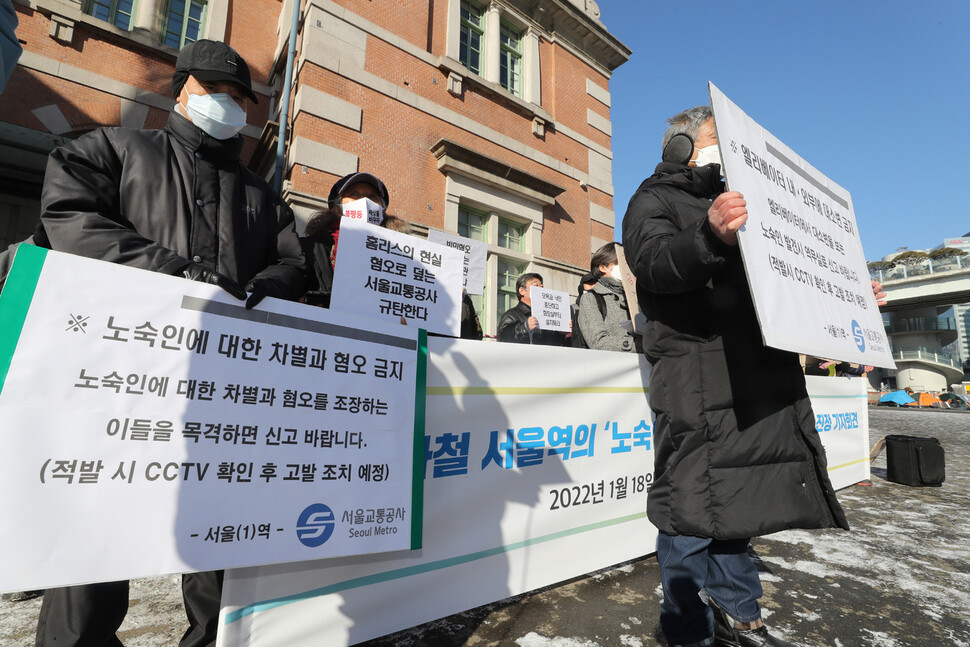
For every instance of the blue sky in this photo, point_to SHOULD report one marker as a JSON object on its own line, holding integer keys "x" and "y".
{"x": 874, "y": 95}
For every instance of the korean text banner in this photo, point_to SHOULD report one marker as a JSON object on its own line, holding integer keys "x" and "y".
{"x": 801, "y": 247}
{"x": 476, "y": 253}
{"x": 532, "y": 476}
{"x": 161, "y": 427}
{"x": 392, "y": 276}
{"x": 514, "y": 499}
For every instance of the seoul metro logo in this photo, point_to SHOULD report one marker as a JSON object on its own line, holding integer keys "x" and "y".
{"x": 315, "y": 525}
{"x": 858, "y": 336}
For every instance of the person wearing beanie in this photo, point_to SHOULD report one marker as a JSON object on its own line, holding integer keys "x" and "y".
{"x": 177, "y": 201}
{"x": 322, "y": 232}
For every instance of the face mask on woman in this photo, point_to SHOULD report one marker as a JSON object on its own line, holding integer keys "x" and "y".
{"x": 364, "y": 209}
{"x": 615, "y": 273}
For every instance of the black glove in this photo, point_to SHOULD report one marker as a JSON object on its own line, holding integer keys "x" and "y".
{"x": 259, "y": 288}
{"x": 201, "y": 273}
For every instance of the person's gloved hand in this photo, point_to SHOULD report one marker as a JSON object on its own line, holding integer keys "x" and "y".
{"x": 259, "y": 288}
{"x": 201, "y": 273}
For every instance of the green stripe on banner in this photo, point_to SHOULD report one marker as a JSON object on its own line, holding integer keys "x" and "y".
{"x": 417, "y": 468}
{"x": 532, "y": 390}
{"x": 409, "y": 571}
{"x": 15, "y": 300}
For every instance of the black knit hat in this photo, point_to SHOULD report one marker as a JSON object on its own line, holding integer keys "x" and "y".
{"x": 210, "y": 60}
{"x": 347, "y": 181}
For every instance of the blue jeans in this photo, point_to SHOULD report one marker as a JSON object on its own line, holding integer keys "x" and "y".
{"x": 721, "y": 567}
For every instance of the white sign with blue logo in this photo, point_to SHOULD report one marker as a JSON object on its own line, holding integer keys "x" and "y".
{"x": 183, "y": 432}
{"x": 801, "y": 247}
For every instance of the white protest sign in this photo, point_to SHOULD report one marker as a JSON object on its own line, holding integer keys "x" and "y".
{"x": 509, "y": 511}
{"x": 801, "y": 247}
{"x": 363, "y": 209}
{"x": 388, "y": 275}
{"x": 476, "y": 253}
{"x": 550, "y": 308}
{"x": 180, "y": 431}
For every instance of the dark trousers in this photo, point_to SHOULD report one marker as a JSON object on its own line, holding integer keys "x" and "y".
{"x": 721, "y": 567}
{"x": 90, "y": 615}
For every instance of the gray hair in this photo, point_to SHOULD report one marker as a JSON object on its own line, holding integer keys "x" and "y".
{"x": 687, "y": 123}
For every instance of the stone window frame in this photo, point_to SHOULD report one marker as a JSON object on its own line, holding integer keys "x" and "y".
{"x": 147, "y": 24}
{"x": 186, "y": 18}
{"x": 465, "y": 27}
{"x": 510, "y": 58}
{"x": 112, "y": 7}
{"x": 496, "y": 15}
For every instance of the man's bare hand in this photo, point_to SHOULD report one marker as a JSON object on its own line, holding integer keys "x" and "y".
{"x": 726, "y": 215}
{"x": 879, "y": 294}
{"x": 533, "y": 323}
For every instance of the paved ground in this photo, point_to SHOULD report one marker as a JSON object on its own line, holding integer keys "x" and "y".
{"x": 900, "y": 578}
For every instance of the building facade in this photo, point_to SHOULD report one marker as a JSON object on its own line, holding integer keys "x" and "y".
{"x": 961, "y": 311}
{"x": 486, "y": 119}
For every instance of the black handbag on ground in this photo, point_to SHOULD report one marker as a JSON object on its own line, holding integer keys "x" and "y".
{"x": 913, "y": 460}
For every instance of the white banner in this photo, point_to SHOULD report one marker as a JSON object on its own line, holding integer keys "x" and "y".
{"x": 532, "y": 476}
{"x": 550, "y": 308}
{"x": 476, "y": 253}
{"x": 161, "y": 427}
{"x": 513, "y": 500}
{"x": 801, "y": 247}
{"x": 392, "y": 276}
{"x": 841, "y": 412}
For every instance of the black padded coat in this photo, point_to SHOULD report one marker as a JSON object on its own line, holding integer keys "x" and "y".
{"x": 158, "y": 199}
{"x": 736, "y": 451}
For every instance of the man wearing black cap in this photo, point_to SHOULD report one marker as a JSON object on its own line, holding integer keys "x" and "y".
{"x": 176, "y": 201}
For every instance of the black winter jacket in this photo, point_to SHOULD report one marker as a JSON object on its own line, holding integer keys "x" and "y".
{"x": 513, "y": 327}
{"x": 160, "y": 199}
{"x": 736, "y": 451}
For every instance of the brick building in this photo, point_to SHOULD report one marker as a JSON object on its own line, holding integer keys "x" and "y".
{"x": 490, "y": 119}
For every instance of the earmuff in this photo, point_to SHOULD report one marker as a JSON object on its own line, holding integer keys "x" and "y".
{"x": 679, "y": 149}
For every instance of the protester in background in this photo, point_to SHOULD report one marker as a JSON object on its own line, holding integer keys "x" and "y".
{"x": 586, "y": 284}
{"x": 736, "y": 451}
{"x": 180, "y": 202}
{"x": 518, "y": 325}
{"x": 320, "y": 239}
{"x": 604, "y": 318}
{"x": 471, "y": 327}
{"x": 830, "y": 368}
{"x": 38, "y": 238}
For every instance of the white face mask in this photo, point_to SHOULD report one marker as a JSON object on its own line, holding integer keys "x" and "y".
{"x": 708, "y": 155}
{"x": 364, "y": 209}
{"x": 216, "y": 114}
{"x": 615, "y": 273}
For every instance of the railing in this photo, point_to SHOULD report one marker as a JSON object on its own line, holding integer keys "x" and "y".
{"x": 927, "y": 356}
{"x": 922, "y": 324}
{"x": 926, "y": 268}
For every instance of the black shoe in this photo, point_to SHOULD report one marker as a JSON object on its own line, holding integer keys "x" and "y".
{"x": 727, "y": 634}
